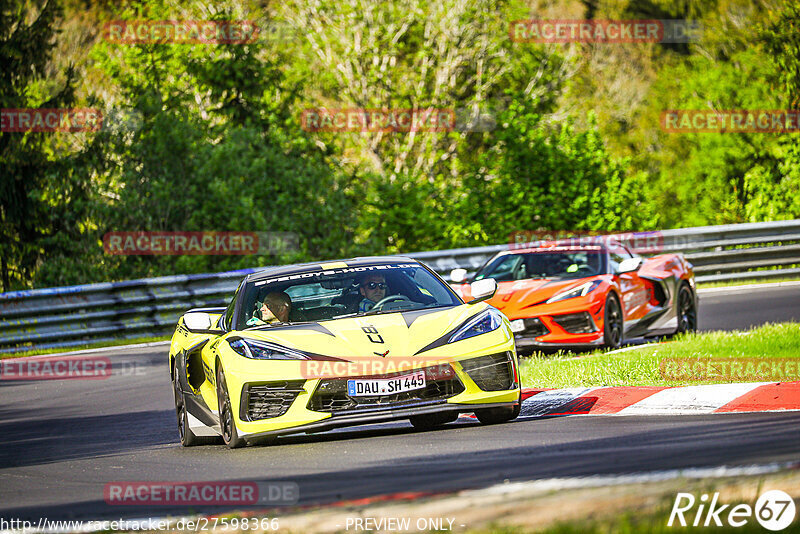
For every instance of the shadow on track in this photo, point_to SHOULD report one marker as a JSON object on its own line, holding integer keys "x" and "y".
{"x": 667, "y": 443}
{"x": 32, "y": 439}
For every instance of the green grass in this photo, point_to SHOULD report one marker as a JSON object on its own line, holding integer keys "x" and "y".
{"x": 88, "y": 345}
{"x": 640, "y": 367}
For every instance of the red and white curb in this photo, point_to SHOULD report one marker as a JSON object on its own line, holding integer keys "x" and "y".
{"x": 716, "y": 398}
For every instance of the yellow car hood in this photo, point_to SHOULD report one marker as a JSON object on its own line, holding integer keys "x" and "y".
{"x": 403, "y": 334}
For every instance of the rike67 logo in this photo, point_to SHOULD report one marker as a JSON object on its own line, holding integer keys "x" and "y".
{"x": 774, "y": 510}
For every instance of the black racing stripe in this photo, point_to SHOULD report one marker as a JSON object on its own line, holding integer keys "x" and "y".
{"x": 444, "y": 339}
{"x": 301, "y": 326}
{"x": 412, "y": 315}
{"x": 437, "y": 343}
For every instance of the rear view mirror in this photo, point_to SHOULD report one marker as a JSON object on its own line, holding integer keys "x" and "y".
{"x": 195, "y": 321}
{"x": 482, "y": 290}
{"x": 458, "y": 276}
{"x": 337, "y": 283}
{"x": 629, "y": 265}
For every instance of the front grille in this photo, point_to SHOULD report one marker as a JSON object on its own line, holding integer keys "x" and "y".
{"x": 331, "y": 394}
{"x": 576, "y": 323}
{"x": 491, "y": 373}
{"x": 264, "y": 400}
{"x": 534, "y": 327}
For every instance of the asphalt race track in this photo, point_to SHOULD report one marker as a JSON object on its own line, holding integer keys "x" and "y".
{"x": 743, "y": 308}
{"x": 63, "y": 441}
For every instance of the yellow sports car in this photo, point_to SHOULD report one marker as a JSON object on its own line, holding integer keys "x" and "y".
{"x": 307, "y": 348}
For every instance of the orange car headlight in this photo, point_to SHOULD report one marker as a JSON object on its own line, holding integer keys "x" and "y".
{"x": 580, "y": 291}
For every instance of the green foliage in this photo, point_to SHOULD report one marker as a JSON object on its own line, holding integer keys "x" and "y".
{"x": 552, "y": 176}
{"x": 742, "y": 60}
{"x": 772, "y": 186}
{"x": 569, "y": 139}
{"x": 781, "y": 38}
{"x": 398, "y": 215}
{"x": 237, "y": 162}
{"x": 45, "y": 195}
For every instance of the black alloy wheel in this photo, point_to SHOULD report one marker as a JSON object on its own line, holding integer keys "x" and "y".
{"x": 687, "y": 310}
{"x": 226, "y": 421}
{"x": 612, "y": 327}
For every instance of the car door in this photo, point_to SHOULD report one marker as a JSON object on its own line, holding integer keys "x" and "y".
{"x": 210, "y": 352}
{"x": 633, "y": 288}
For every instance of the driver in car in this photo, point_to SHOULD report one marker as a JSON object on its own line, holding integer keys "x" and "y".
{"x": 373, "y": 289}
{"x": 274, "y": 309}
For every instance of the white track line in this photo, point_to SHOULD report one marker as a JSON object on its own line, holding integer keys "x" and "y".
{"x": 555, "y": 484}
{"x": 92, "y": 351}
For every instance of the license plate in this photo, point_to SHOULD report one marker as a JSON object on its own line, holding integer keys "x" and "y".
{"x": 517, "y": 325}
{"x": 363, "y": 387}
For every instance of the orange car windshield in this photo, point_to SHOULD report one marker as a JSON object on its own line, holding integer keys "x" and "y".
{"x": 544, "y": 264}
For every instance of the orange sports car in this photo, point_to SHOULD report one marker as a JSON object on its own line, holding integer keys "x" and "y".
{"x": 563, "y": 295}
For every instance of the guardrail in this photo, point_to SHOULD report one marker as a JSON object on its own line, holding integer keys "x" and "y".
{"x": 70, "y": 316}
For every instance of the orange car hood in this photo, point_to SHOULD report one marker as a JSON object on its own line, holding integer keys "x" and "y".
{"x": 512, "y": 297}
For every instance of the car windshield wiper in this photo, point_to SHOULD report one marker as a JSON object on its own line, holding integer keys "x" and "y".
{"x": 344, "y": 316}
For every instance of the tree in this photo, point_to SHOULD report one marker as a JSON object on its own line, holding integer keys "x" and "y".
{"x": 45, "y": 188}
{"x": 772, "y": 184}
{"x": 415, "y": 54}
{"x": 218, "y": 147}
